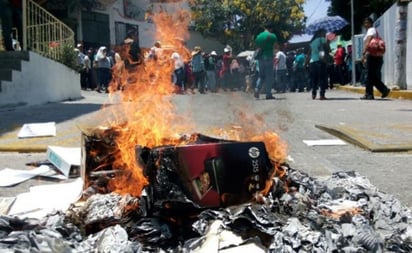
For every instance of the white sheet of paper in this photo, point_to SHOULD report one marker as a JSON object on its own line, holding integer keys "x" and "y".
{"x": 9, "y": 177}
{"x": 5, "y": 204}
{"x": 37, "y": 130}
{"x": 325, "y": 142}
{"x": 43, "y": 199}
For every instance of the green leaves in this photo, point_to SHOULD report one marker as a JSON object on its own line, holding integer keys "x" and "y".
{"x": 237, "y": 22}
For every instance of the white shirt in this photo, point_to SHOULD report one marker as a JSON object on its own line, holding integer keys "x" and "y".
{"x": 281, "y": 61}
{"x": 371, "y": 32}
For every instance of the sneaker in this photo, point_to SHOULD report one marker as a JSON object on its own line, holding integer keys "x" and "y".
{"x": 256, "y": 94}
{"x": 270, "y": 97}
{"x": 386, "y": 93}
{"x": 367, "y": 97}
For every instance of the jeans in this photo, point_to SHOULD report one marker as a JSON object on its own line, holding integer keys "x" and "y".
{"x": 211, "y": 80}
{"x": 281, "y": 80}
{"x": 199, "y": 81}
{"x": 103, "y": 77}
{"x": 266, "y": 78}
{"x": 300, "y": 80}
{"x": 179, "y": 77}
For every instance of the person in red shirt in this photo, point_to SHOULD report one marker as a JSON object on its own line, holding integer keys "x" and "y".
{"x": 339, "y": 66}
{"x": 225, "y": 71}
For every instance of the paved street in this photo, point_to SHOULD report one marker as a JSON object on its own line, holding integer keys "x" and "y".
{"x": 294, "y": 116}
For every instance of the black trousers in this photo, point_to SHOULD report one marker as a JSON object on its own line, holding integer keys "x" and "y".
{"x": 318, "y": 77}
{"x": 11, "y": 17}
{"x": 374, "y": 66}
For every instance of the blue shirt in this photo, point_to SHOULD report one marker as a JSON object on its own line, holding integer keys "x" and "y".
{"x": 315, "y": 45}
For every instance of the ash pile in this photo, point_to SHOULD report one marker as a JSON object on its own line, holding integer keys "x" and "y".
{"x": 219, "y": 207}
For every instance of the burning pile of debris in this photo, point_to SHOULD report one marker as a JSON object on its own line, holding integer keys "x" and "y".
{"x": 195, "y": 193}
{"x": 221, "y": 204}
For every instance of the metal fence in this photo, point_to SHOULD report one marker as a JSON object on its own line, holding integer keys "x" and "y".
{"x": 43, "y": 33}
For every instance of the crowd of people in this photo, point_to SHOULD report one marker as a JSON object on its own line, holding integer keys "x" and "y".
{"x": 95, "y": 66}
{"x": 203, "y": 72}
{"x": 269, "y": 71}
{"x": 211, "y": 72}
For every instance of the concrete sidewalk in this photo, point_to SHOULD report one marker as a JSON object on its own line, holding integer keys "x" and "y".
{"x": 395, "y": 93}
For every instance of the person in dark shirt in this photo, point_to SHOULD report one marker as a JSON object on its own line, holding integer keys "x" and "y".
{"x": 11, "y": 17}
{"x": 134, "y": 56}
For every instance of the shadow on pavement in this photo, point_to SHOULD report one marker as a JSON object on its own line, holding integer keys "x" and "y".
{"x": 13, "y": 118}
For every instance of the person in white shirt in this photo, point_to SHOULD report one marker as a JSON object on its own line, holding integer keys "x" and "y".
{"x": 280, "y": 71}
{"x": 373, "y": 64}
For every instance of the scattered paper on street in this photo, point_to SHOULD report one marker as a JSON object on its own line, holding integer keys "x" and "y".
{"x": 5, "y": 204}
{"x": 9, "y": 177}
{"x": 43, "y": 199}
{"x": 37, "y": 130}
{"x": 325, "y": 142}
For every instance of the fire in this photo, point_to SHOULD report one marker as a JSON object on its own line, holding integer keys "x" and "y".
{"x": 146, "y": 116}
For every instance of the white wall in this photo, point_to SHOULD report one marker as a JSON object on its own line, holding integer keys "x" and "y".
{"x": 386, "y": 27}
{"x": 147, "y": 31}
{"x": 40, "y": 81}
{"x": 409, "y": 49}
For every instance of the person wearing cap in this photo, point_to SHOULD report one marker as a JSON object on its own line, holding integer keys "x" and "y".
{"x": 198, "y": 69}
{"x": 210, "y": 66}
{"x": 266, "y": 41}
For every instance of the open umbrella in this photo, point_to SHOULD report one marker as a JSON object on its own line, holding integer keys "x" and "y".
{"x": 328, "y": 23}
{"x": 247, "y": 53}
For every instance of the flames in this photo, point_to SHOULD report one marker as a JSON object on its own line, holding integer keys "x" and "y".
{"x": 147, "y": 117}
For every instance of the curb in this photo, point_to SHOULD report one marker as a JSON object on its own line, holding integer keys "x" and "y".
{"x": 10, "y": 143}
{"x": 395, "y": 93}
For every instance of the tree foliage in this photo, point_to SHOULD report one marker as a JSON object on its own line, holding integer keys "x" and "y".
{"x": 362, "y": 9}
{"x": 237, "y": 22}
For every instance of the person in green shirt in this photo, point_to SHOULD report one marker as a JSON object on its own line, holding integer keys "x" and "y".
{"x": 299, "y": 71}
{"x": 266, "y": 41}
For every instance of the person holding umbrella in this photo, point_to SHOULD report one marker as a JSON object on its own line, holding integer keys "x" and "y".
{"x": 319, "y": 47}
{"x": 319, "y": 50}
